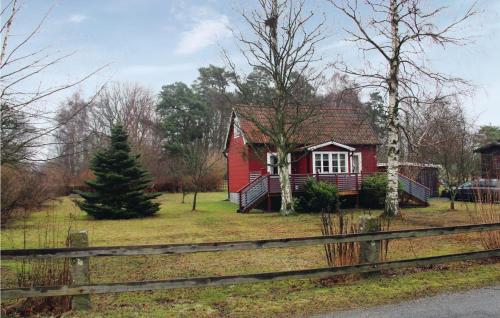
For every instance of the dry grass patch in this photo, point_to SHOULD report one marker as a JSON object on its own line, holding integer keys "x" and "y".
{"x": 217, "y": 220}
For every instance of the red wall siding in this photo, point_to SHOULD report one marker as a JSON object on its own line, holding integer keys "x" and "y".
{"x": 238, "y": 172}
{"x": 368, "y": 157}
{"x": 256, "y": 163}
{"x": 300, "y": 163}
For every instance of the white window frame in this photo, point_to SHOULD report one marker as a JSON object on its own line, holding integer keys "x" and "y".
{"x": 360, "y": 162}
{"x": 237, "y": 128}
{"x": 330, "y": 165}
{"x": 268, "y": 162}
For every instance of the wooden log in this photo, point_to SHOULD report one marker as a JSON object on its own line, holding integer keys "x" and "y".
{"x": 241, "y": 245}
{"x": 79, "y": 269}
{"x": 10, "y": 293}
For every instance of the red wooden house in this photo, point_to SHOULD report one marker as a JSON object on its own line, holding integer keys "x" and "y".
{"x": 340, "y": 148}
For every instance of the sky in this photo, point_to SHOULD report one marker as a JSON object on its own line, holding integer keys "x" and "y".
{"x": 159, "y": 42}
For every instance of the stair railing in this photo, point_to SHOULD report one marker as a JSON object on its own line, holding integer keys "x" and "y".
{"x": 414, "y": 188}
{"x": 253, "y": 192}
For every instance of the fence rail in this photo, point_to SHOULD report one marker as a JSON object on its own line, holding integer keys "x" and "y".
{"x": 82, "y": 253}
{"x": 10, "y": 293}
{"x": 241, "y": 245}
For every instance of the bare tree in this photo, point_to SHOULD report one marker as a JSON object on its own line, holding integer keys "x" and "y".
{"x": 282, "y": 46}
{"x": 88, "y": 125}
{"x": 26, "y": 125}
{"x": 399, "y": 32}
{"x": 135, "y": 107}
{"x": 74, "y": 141}
{"x": 443, "y": 134}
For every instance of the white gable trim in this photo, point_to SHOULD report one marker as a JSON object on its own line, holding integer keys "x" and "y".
{"x": 331, "y": 143}
{"x": 228, "y": 130}
{"x": 231, "y": 121}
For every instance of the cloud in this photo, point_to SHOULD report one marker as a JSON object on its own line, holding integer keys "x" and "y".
{"x": 145, "y": 69}
{"x": 203, "y": 34}
{"x": 77, "y": 18}
{"x": 336, "y": 45}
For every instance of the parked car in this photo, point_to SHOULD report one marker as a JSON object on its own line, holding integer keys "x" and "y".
{"x": 484, "y": 190}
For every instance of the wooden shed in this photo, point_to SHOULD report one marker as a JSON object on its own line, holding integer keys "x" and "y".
{"x": 490, "y": 160}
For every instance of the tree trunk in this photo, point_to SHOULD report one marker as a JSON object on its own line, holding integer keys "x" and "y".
{"x": 194, "y": 200}
{"x": 286, "y": 189}
{"x": 280, "y": 104}
{"x": 452, "y": 200}
{"x": 391, "y": 199}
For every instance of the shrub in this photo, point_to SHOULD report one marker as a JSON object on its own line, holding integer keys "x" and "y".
{"x": 318, "y": 196}
{"x": 486, "y": 210}
{"x": 373, "y": 190}
{"x": 25, "y": 188}
{"x": 48, "y": 231}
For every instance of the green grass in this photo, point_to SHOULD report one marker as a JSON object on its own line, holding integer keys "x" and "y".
{"x": 216, "y": 220}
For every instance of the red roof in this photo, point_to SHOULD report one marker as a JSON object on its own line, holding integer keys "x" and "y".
{"x": 346, "y": 124}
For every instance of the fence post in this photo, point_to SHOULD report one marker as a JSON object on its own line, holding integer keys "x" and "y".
{"x": 79, "y": 269}
{"x": 370, "y": 250}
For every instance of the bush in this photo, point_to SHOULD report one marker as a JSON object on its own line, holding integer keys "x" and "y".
{"x": 26, "y": 188}
{"x": 373, "y": 190}
{"x": 317, "y": 196}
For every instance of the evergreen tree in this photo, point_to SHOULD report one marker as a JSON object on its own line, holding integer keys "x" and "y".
{"x": 119, "y": 184}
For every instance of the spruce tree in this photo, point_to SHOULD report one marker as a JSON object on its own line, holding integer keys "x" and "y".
{"x": 118, "y": 189}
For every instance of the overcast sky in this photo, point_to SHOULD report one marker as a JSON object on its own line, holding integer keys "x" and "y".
{"x": 157, "y": 42}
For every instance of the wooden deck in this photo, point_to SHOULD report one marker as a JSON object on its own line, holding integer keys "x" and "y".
{"x": 348, "y": 184}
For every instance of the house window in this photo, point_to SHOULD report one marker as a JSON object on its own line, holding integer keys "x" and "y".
{"x": 317, "y": 163}
{"x": 326, "y": 167}
{"x": 330, "y": 162}
{"x": 342, "y": 162}
{"x": 356, "y": 165}
{"x": 272, "y": 163}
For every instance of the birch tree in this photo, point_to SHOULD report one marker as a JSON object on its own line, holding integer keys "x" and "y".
{"x": 282, "y": 46}
{"x": 399, "y": 33}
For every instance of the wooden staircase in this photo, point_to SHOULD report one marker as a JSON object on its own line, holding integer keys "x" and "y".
{"x": 253, "y": 193}
{"x": 414, "y": 191}
{"x": 348, "y": 183}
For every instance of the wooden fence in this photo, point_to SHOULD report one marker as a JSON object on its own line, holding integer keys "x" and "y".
{"x": 80, "y": 256}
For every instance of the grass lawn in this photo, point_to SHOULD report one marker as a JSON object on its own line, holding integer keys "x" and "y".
{"x": 216, "y": 220}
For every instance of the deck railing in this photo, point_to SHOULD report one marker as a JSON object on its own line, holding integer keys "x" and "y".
{"x": 345, "y": 182}
{"x": 270, "y": 184}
